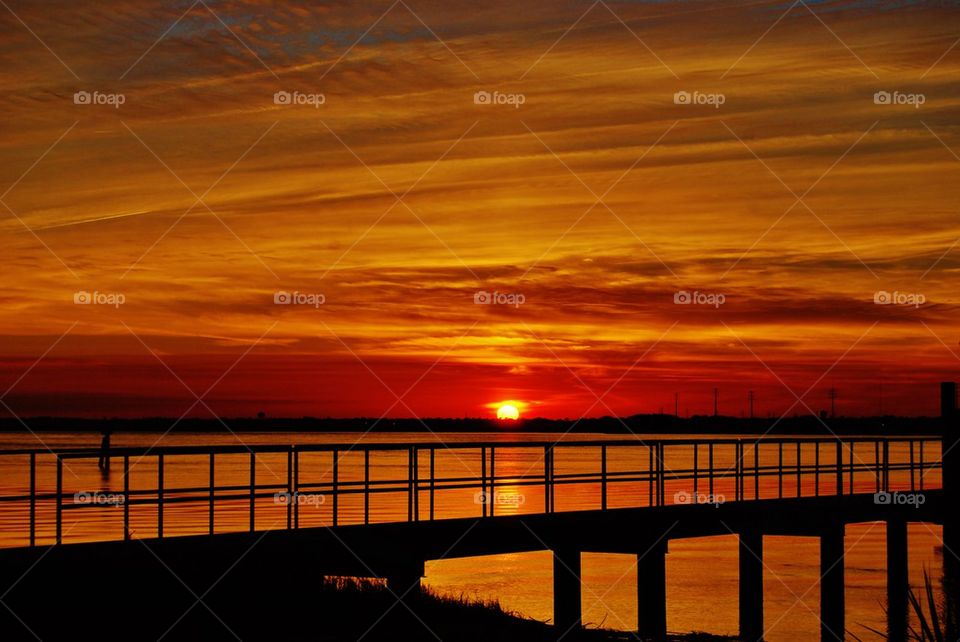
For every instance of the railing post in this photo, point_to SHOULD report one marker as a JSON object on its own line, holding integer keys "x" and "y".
{"x": 335, "y": 486}
{"x": 661, "y": 477}
{"x": 799, "y": 470}
{"x": 780, "y": 470}
{"x": 696, "y": 456}
{"x": 492, "y": 498}
{"x": 912, "y": 475}
{"x": 213, "y": 493}
{"x": 415, "y": 453}
{"x": 366, "y": 486}
{"x": 484, "y": 497}
{"x": 839, "y": 453}
{"x": 886, "y": 465}
{"x": 33, "y": 499}
{"x": 546, "y": 479}
{"x": 603, "y": 477}
{"x": 59, "y": 499}
{"x": 253, "y": 490}
{"x": 756, "y": 469}
{"x": 816, "y": 468}
{"x": 433, "y": 453}
{"x": 126, "y": 497}
{"x": 296, "y": 488}
{"x": 710, "y": 465}
{"x": 160, "y": 496}
{"x": 290, "y": 497}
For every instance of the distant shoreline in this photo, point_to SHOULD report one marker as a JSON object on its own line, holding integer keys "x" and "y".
{"x": 637, "y": 424}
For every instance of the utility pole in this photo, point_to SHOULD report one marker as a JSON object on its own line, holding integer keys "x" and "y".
{"x": 751, "y": 404}
{"x": 833, "y": 402}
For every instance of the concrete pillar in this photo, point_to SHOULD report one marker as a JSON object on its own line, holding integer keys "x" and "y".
{"x": 404, "y": 582}
{"x": 652, "y": 592}
{"x": 567, "y": 613}
{"x": 897, "y": 580}
{"x": 751, "y": 586}
{"x": 832, "y": 624}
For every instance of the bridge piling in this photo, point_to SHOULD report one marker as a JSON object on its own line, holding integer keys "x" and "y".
{"x": 751, "y": 585}
{"x": 567, "y": 613}
{"x": 897, "y": 580}
{"x": 404, "y": 582}
{"x": 652, "y": 592}
{"x": 832, "y": 607}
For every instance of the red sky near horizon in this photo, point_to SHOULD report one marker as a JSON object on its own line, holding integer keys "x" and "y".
{"x": 601, "y": 183}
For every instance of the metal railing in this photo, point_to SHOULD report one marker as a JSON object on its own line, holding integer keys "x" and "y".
{"x": 634, "y": 473}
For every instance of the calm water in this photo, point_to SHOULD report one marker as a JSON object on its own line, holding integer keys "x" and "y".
{"x": 702, "y": 573}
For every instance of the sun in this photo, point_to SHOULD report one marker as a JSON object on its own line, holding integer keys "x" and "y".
{"x": 508, "y": 411}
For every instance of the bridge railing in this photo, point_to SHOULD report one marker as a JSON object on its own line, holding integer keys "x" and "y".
{"x": 167, "y": 491}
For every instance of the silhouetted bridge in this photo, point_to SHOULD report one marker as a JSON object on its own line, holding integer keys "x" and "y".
{"x": 383, "y": 509}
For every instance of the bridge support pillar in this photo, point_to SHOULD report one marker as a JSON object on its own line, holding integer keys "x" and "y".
{"x": 567, "y": 614}
{"x": 404, "y": 582}
{"x": 652, "y": 592}
{"x": 832, "y": 623}
{"x": 751, "y": 586}
{"x": 898, "y": 586}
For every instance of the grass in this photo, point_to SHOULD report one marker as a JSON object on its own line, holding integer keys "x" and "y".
{"x": 365, "y": 608}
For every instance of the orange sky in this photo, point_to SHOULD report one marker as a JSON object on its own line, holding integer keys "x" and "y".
{"x": 598, "y": 199}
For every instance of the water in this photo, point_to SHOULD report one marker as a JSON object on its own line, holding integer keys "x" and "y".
{"x": 702, "y": 573}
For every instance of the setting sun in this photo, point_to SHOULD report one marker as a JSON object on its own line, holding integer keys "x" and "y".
{"x": 508, "y": 411}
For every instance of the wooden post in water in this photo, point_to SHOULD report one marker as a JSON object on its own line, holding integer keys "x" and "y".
{"x": 652, "y": 592}
{"x": 751, "y": 585}
{"x": 832, "y": 623}
{"x": 897, "y": 580}
{"x": 567, "y": 615}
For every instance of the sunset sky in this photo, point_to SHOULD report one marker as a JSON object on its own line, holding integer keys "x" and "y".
{"x": 588, "y": 207}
